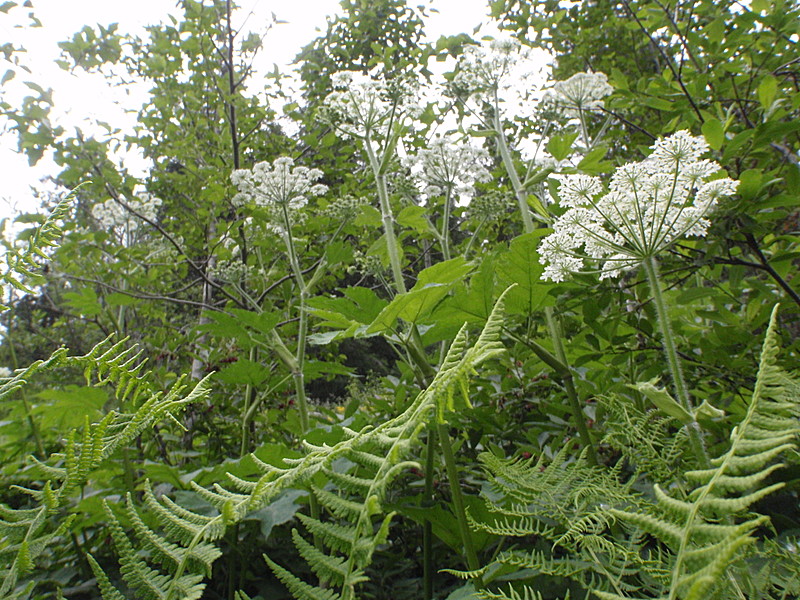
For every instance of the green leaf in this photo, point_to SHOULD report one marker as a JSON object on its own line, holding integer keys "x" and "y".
{"x": 349, "y": 314}
{"x": 432, "y": 285}
{"x": 118, "y": 299}
{"x": 714, "y": 132}
{"x": 560, "y": 146}
{"x": 767, "y": 90}
{"x": 244, "y": 372}
{"x": 662, "y": 399}
{"x": 413, "y": 217}
{"x": 369, "y": 216}
{"x": 593, "y": 164}
{"x": 471, "y": 305}
{"x": 69, "y": 407}
{"x": 520, "y": 264}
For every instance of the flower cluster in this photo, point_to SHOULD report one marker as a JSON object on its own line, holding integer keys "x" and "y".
{"x": 277, "y": 186}
{"x": 491, "y": 206}
{"x": 345, "y": 208}
{"x": 503, "y": 64}
{"x": 362, "y": 106}
{"x": 111, "y": 214}
{"x": 581, "y": 92}
{"x": 648, "y": 205}
{"x": 446, "y": 166}
{"x": 232, "y": 271}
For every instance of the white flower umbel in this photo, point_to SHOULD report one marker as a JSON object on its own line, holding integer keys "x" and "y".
{"x": 362, "y": 106}
{"x": 582, "y": 91}
{"x": 483, "y": 71}
{"x": 446, "y": 166}
{"x": 449, "y": 169}
{"x": 114, "y": 216}
{"x": 647, "y": 207}
{"x": 578, "y": 96}
{"x": 277, "y": 185}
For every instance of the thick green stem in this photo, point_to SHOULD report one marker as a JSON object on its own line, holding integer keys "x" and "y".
{"x": 569, "y": 385}
{"x": 508, "y": 163}
{"x": 448, "y": 200}
{"x": 249, "y": 403}
{"x": 552, "y": 326}
{"x": 458, "y": 499}
{"x": 302, "y": 329}
{"x": 388, "y": 218}
{"x": 695, "y": 439}
{"x": 427, "y": 529}
{"x": 28, "y": 414}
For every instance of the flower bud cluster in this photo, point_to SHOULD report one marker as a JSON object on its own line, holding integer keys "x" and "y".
{"x": 345, "y": 208}
{"x": 581, "y": 92}
{"x": 648, "y": 205}
{"x": 362, "y": 106}
{"x": 232, "y": 271}
{"x": 367, "y": 264}
{"x": 111, "y": 214}
{"x": 448, "y": 166}
{"x": 278, "y": 185}
{"x": 491, "y": 206}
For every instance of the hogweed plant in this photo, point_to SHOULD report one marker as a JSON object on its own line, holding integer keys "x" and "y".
{"x": 449, "y": 169}
{"x": 281, "y": 190}
{"x": 374, "y": 111}
{"x": 578, "y": 96}
{"x": 648, "y": 206}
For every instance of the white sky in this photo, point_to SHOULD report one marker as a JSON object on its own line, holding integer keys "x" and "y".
{"x": 81, "y": 98}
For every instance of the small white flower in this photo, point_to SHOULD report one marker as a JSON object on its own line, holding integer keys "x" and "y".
{"x": 5, "y": 372}
{"x": 648, "y": 206}
{"x": 112, "y": 215}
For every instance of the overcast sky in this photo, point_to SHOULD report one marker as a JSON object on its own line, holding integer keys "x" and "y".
{"x": 78, "y": 98}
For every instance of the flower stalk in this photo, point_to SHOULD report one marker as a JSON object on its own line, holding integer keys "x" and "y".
{"x": 650, "y": 266}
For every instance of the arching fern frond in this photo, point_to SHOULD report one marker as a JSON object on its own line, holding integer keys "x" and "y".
{"x": 24, "y": 533}
{"x": 22, "y": 262}
{"x": 700, "y": 529}
{"x": 357, "y": 472}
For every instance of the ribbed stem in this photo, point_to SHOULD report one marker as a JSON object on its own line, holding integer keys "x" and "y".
{"x": 569, "y": 385}
{"x": 427, "y": 529}
{"x": 457, "y": 498}
{"x": 650, "y": 265}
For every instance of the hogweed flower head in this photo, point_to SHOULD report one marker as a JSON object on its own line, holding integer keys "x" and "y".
{"x": 277, "y": 185}
{"x": 112, "y": 215}
{"x": 446, "y": 165}
{"x": 362, "y": 105}
{"x": 491, "y": 206}
{"x": 647, "y": 207}
{"x": 581, "y": 92}
{"x": 484, "y": 70}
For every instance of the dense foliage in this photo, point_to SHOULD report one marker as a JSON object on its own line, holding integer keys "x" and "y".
{"x": 413, "y": 334}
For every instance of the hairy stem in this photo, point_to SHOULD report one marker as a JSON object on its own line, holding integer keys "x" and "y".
{"x": 569, "y": 386}
{"x": 682, "y": 392}
{"x": 427, "y": 529}
{"x": 457, "y": 499}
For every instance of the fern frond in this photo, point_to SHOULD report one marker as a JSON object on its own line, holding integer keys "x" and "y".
{"x": 299, "y": 588}
{"x": 22, "y": 262}
{"x": 699, "y": 529}
{"x": 108, "y": 591}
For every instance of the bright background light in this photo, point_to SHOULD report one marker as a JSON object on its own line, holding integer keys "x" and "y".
{"x": 81, "y": 99}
